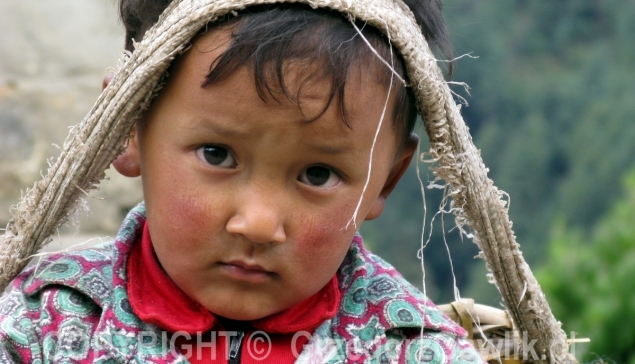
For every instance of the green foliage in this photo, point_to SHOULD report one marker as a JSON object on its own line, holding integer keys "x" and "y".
{"x": 589, "y": 280}
{"x": 551, "y": 109}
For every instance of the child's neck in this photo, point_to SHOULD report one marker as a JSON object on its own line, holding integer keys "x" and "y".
{"x": 233, "y": 325}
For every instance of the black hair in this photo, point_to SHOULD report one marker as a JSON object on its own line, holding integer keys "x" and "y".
{"x": 264, "y": 37}
{"x": 138, "y": 16}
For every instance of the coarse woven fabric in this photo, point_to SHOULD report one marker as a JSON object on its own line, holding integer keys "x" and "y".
{"x": 100, "y": 137}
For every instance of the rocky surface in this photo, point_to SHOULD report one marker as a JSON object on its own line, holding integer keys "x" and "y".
{"x": 53, "y": 56}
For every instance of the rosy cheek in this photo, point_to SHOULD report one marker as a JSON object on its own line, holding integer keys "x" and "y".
{"x": 324, "y": 236}
{"x": 186, "y": 216}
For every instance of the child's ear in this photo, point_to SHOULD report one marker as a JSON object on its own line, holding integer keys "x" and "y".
{"x": 128, "y": 162}
{"x": 398, "y": 169}
{"x": 107, "y": 78}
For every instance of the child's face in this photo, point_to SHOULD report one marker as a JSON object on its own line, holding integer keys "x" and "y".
{"x": 248, "y": 205}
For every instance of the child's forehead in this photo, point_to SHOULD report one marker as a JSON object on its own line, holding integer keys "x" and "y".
{"x": 302, "y": 56}
{"x": 312, "y": 57}
{"x": 303, "y": 82}
{"x": 226, "y": 107}
{"x": 302, "y": 85}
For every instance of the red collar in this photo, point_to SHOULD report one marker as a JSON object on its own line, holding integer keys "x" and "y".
{"x": 156, "y": 299}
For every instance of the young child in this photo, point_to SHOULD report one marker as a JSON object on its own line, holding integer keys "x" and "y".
{"x": 276, "y": 134}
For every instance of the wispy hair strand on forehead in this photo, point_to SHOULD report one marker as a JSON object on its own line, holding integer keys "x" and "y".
{"x": 323, "y": 43}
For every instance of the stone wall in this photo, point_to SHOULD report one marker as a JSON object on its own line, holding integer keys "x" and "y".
{"x": 53, "y": 56}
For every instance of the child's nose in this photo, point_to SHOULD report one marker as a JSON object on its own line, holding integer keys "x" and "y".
{"x": 258, "y": 223}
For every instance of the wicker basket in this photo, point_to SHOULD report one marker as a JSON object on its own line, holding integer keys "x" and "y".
{"x": 493, "y": 333}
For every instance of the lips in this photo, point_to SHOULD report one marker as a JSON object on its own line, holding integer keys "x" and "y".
{"x": 243, "y": 271}
{"x": 247, "y": 266}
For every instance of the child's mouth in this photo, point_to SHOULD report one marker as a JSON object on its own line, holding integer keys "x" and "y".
{"x": 242, "y": 271}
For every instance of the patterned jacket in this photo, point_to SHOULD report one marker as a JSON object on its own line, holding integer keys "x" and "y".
{"x": 73, "y": 308}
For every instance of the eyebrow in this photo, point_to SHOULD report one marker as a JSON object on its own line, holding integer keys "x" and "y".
{"x": 217, "y": 129}
{"x": 331, "y": 149}
{"x": 236, "y": 132}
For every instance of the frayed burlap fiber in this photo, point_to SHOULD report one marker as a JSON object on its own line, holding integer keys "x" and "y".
{"x": 101, "y": 136}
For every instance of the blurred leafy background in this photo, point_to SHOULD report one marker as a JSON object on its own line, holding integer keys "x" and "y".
{"x": 551, "y": 106}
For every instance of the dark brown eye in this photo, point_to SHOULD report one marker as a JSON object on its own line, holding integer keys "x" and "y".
{"x": 216, "y": 156}
{"x": 319, "y": 176}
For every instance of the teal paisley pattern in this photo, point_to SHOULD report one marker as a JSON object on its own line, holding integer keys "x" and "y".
{"x": 74, "y": 308}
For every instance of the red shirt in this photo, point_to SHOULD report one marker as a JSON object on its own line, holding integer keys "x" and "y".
{"x": 203, "y": 337}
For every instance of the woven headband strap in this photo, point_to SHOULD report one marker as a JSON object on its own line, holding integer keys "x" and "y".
{"x": 101, "y": 135}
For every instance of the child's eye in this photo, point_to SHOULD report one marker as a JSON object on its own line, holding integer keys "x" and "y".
{"x": 319, "y": 176}
{"x": 216, "y": 155}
